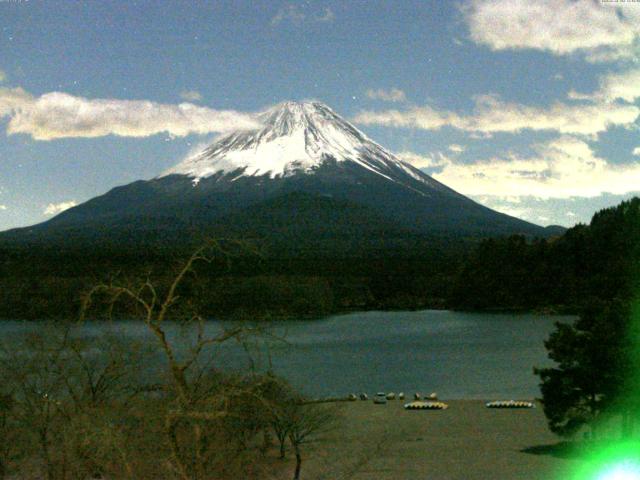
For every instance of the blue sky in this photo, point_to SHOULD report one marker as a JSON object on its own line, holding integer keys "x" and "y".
{"x": 529, "y": 107}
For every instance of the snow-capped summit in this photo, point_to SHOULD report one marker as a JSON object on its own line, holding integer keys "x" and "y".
{"x": 296, "y": 137}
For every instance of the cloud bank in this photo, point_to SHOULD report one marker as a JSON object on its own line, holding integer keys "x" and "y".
{"x": 624, "y": 86}
{"x": 55, "y": 208}
{"x": 433, "y": 160}
{"x": 562, "y": 168}
{"x": 191, "y": 95}
{"x": 393, "y": 95}
{"x": 599, "y": 31}
{"x": 297, "y": 16}
{"x": 492, "y": 115}
{"x": 61, "y": 115}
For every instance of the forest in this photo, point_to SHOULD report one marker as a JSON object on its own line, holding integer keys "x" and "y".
{"x": 560, "y": 274}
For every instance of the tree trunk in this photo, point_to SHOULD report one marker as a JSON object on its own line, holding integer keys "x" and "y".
{"x": 296, "y": 475}
{"x": 282, "y": 450}
{"x": 267, "y": 441}
{"x": 44, "y": 445}
{"x": 594, "y": 418}
{"x": 171, "y": 429}
{"x": 628, "y": 421}
{"x": 625, "y": 424}
{"x": 199, "y": 466}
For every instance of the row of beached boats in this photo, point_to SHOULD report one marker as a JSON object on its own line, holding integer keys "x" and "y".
{"x": 510, "y": 404}
{"x": 430, "y": 402}
{"x": 383, "y": 397}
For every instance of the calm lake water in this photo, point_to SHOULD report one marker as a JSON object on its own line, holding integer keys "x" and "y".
{"x": 457, "y": 355}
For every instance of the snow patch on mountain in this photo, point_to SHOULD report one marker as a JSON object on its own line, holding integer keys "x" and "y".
{"x": 296, "y": 137}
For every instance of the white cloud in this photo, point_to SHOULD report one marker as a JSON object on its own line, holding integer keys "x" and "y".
{"x": 296, "y": 15}
{"x": 513, "y": 211}
{"x": 562, "y": 168}
{"x": 614, "y": 86}
{"x": 11, "y": 99}
{"x": 500, "y": 204}
{"x": 59, "y": 115}
{"x": 493, "y": 115}
{"x": 497, "y": 198}
{"x": 424, "y": 161}
{"x": 425, "y": 118}
{"x": 3, "y": 207}
{"x": 599, "y": 31}
{"x": 558, "y": 211}
{"x": 480, "y": 135}
{"x": 290, "y": 13}
{"x": 393, "y": 95}
{"x": 191, "y": 95}
{"x": 636, "y": 151}
{"x": 455, "y": 148}
{"x": 55, "y": 208}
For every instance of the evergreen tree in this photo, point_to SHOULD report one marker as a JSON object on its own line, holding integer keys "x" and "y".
{"x": 593, "y": 367}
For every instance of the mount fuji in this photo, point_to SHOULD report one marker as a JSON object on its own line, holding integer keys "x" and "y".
{"x": 305, "y": 175}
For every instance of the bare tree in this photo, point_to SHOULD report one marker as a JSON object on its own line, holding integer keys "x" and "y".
{"x": 6, "y": 447}
{"x": 61, "y": 388}
{"x": 306, "y": 423}
{"x": 199, "y": 407}
{"x": 32, "y": 375}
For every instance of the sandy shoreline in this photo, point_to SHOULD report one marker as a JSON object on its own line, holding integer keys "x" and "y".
{"x": 467, "y": 441}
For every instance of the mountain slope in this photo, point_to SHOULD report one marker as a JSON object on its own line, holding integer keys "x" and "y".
{"x": 301, "y": 148}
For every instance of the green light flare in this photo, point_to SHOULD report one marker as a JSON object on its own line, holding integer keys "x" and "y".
{"x": 611, "y": 458}
{"x": 617, "y": 461}
{"x": 622, "y": 471}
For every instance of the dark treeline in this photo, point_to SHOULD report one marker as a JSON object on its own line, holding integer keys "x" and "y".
{"x": 589, "y": 263}
{"x": 514, "y": 273}
{"x": 44, "y": 282}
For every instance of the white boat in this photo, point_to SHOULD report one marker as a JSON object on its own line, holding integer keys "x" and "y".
{"x": 380, "y": 398}
{"x": 422, "y": 405}
{"x": 510, "y": 404}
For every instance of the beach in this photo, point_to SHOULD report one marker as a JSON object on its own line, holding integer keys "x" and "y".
{"x": 465, "y": 442}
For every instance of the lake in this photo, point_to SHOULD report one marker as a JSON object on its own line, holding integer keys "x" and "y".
{"x": 457, "y": 355}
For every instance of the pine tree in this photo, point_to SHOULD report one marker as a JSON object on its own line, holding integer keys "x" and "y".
{"x": 593, "y": 368}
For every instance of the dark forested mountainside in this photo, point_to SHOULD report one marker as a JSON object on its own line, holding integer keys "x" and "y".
{"x": 588, "y": 262}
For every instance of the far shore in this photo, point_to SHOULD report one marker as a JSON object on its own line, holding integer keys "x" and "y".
{"x": 545, "y": 312}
